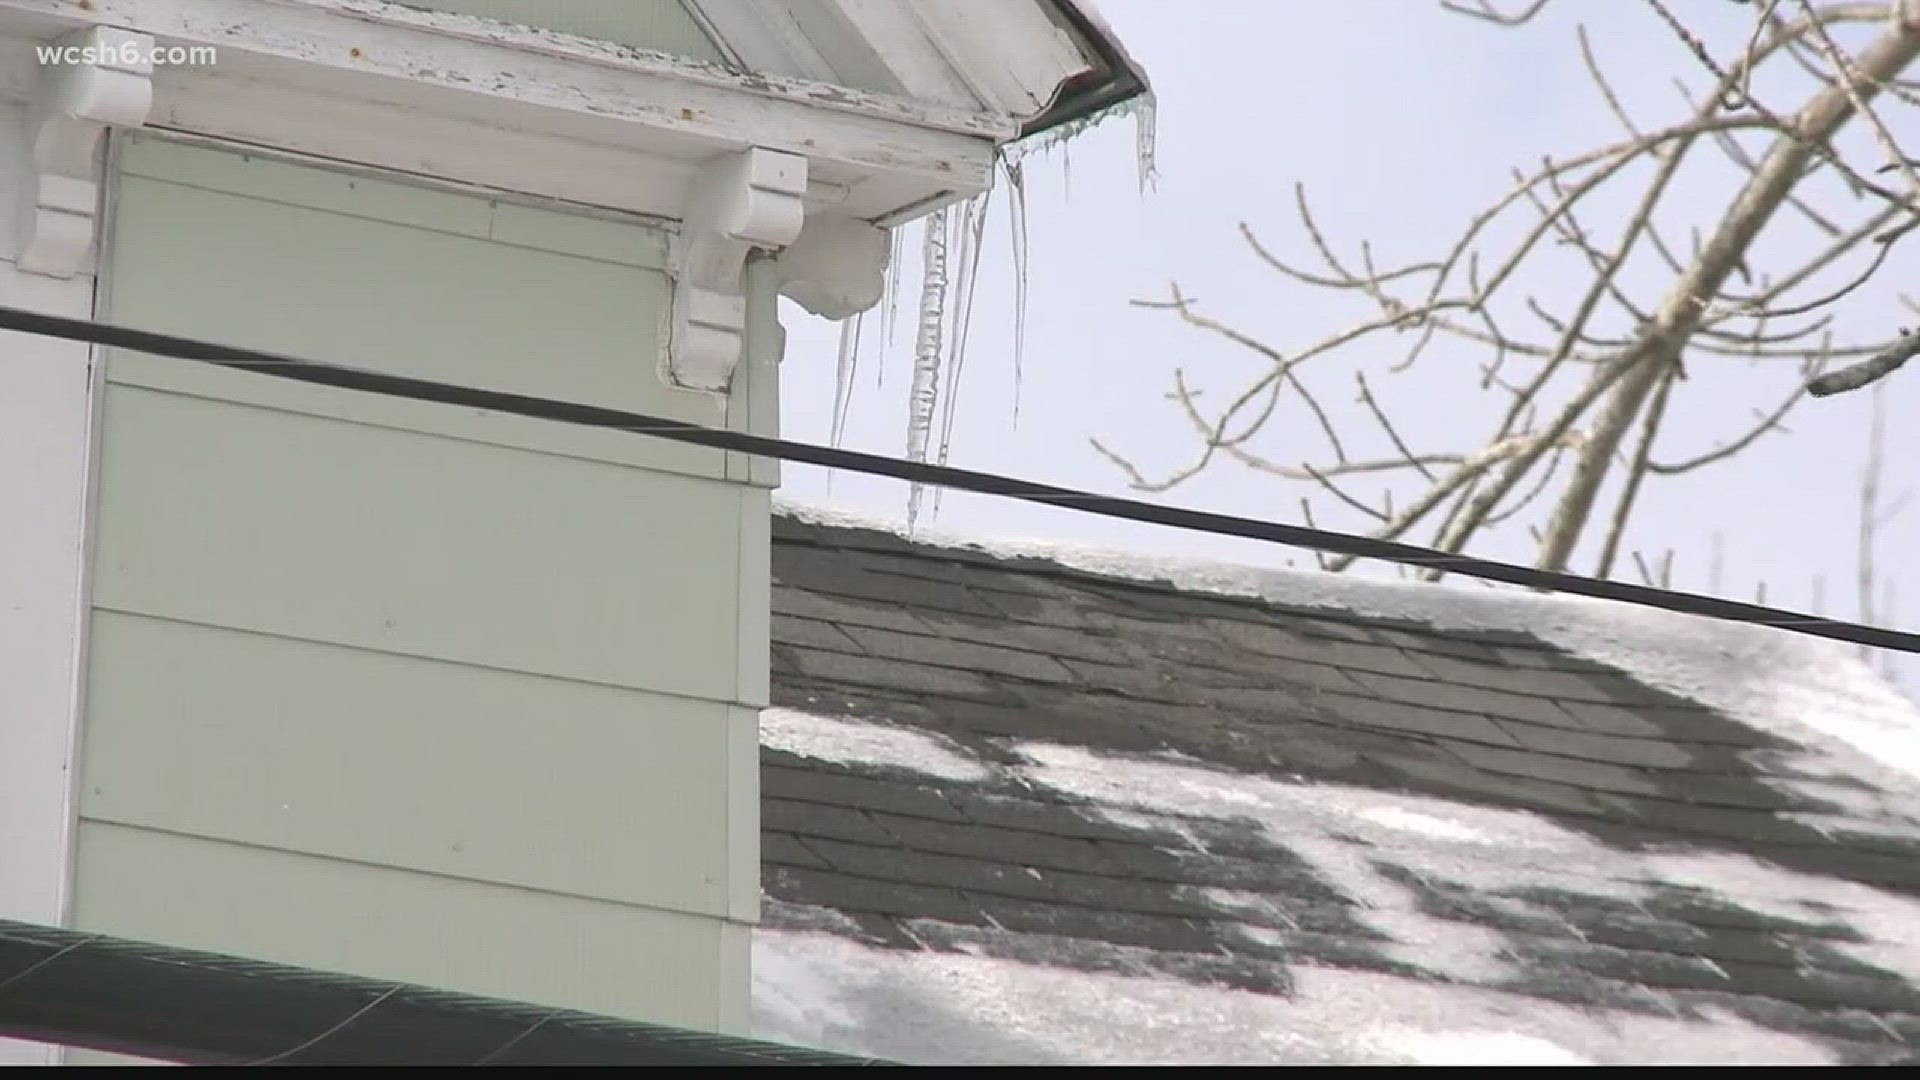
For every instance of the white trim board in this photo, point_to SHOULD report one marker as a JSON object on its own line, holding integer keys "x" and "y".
{"x": 514, "y": 108}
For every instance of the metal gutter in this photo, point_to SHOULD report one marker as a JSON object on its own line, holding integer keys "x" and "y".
{"x": 103, "y": 993}
{"x": 1115, "y": 79}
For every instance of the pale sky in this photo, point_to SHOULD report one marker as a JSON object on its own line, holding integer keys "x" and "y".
{"x": 1402, "y": 120}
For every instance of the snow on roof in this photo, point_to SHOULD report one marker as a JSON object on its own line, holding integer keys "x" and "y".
{"x": 1023, "y": 1004}
{"x": 1460, "y": 929}
{"x": 954, "y": 1008}
{"x": 1806, "y": 689}
{"x": 843, "y": 739}
{"x": 1348, "y": 832}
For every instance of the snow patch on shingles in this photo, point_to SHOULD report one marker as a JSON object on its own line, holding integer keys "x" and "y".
{"x": 792, "y": 916}
{"x": 1890, "y": 923}
{"x": 1394, "y": 817}
{"x": 860, "y": 742}
{"x": 1476, "y": 1048}
{"x": 1239, "y": 902}
{"x": 1321, "y": 823}
{"x": 1816, "y": 693}
{"x": 1488, "y": 850}
{"x": 951, "y": 1008}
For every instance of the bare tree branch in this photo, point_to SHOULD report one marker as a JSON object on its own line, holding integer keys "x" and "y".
{"x": 1487, "y": 11}
{"x": 1870, "y": 370}
{"x": 1589, "y": 378}
{"x": 1681, "y": 311}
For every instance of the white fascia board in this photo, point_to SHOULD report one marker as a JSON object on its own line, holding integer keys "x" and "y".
{"x": 519, "y": 109}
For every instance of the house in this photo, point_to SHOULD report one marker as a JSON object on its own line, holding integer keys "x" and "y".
{"x": 1032, "y": 804}
{"x": 389, "y": 688}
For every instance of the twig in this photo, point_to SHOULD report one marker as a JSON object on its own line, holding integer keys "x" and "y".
{"x": 1872, "y": 369}
{"x": 1487, "y": 12}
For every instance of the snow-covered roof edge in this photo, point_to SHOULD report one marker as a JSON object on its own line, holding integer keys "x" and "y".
{"x": 1803, "y": 688}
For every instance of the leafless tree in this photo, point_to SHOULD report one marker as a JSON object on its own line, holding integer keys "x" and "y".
{"x": 1586, "y": 383}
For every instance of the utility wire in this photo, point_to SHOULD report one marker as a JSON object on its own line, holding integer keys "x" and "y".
{"x": 1335, "y": 543}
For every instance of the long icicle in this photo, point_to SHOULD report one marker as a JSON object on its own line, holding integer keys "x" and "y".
{"x": 966, "y": 275}
{"x": 924, "y": 393}
{"x": 1017, "y": 236}
{"x": 890, "y": 300}
{"x": 845, "y": 367}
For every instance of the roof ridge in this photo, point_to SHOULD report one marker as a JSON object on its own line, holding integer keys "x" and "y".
{"x": 1072, "y": 562}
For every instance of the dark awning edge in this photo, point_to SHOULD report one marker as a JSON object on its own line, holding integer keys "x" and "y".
{"x": 1116, "y": 78}
{"x": 103, "y": 993}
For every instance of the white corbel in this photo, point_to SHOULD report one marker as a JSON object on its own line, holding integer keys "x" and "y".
{"x": 89, "y": 80}
{"x": 738, "y": 202}
{"x": 836, "y": 268}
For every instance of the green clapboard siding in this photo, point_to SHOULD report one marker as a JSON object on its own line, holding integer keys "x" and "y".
{"x": 659, "y": 25}
{"x": 365, "y": 272}
{"x": 496, "y": 777}
{"x": 402, "y": 689}
{"x": 565, "y": 951}
{"x": 390, "y": 540}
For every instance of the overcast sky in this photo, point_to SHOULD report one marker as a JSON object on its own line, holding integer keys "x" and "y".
{"x": 1402, "y": 120}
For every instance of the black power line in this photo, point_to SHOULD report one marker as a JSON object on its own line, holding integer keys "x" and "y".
{"x": 130, "y": 997}
{"x": 1366, "y": 547}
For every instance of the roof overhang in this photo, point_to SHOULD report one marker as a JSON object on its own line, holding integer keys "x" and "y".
{"x": 454, "y": 97}
{"x": 833, "y": 120}
{"x": 898, "y": 106}
{"x": 1037, "y": 63}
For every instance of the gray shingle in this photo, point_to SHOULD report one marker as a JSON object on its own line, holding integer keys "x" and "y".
{"x": 789, "y": 599}
{"x": 977, "y": 877}
{"x": 833, "y": 667}
{"x": 1462, "y": 698}
{"x": 1610, "y": 749}
{"x": 813, "y": 633}
{"x": 1268, "y": 639}
{"x": 835, "y": 789}
{"x": 1568, "y": 771}
{"x": 846, "y": 892}
{"x": 1416, "y": 719}
{"x": 847, "y": 822}
{"x": 1009, "y": 846}
{"x": 971, "y": 656}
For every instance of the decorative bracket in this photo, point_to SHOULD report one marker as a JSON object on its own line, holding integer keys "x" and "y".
{"x": 836, "y": 268}
{"x": 738, "y": 202}
{"x": 89, "y": 80}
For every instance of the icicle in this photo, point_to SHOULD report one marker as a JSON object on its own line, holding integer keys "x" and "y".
{"x": 1142, "y": 110}
{"x": 1144, "y": 118}
{"x": 1017, "y": 238}
{"x": 972, "y": 234}
{"x": 939, "y": 303}
{"x": 844, "y": 369}
{"x": 890, "y": 301}
{"x": 923, "y": 395}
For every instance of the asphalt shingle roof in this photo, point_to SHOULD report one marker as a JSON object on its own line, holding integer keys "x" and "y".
{"x": 988, "y": 654}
